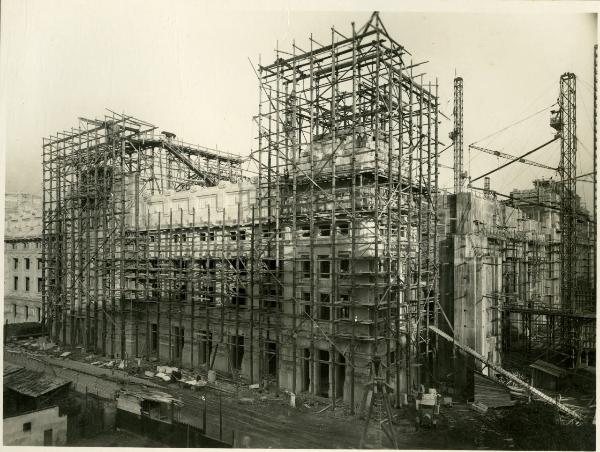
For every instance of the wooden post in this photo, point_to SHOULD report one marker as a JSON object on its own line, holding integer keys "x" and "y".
{"x": 85, "y": 409}
{"x": 204, "y": 416}
{"x": 220, "y": 417}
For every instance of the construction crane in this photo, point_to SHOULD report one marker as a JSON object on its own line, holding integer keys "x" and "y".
{"x": 510, "y": 157}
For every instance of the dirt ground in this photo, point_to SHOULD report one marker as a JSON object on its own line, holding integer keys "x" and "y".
{"x": 259, "y": 418}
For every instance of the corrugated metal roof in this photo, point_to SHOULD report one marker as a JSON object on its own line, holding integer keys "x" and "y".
{"x": 548, "y": 368}
{"x": 10, "y": 368}
{"x": 151, "y": 394}
{"x": 33, "y": 384}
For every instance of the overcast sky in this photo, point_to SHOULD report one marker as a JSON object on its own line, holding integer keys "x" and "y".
{"x": 185, "y": 69}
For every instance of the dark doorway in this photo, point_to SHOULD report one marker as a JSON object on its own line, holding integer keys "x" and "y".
{"x": 306, "y": 370}
{"x": 205, "y": 347}
{"x": 179, "y": 335}
{"x": 323, "y": 373}
{"x": 237, "y": 349}
{"x": 271, "y": 351}
{"x": 48, "y": 437}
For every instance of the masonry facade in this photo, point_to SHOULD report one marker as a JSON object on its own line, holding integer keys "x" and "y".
{"x": 500, "y": 285}
{"x": 23, "y": 258}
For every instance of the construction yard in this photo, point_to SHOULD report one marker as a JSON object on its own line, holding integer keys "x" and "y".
{"x": 264, "y": 419}
{"x": 325, "y": 290}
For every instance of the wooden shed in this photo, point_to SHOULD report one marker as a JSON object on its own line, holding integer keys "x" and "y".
{"x": 545, "y": 375}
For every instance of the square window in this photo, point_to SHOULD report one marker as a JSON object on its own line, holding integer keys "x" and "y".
{"x": 343, "y": 313}
{"x": 305, "y": 231}
{"x": 240, "y": 297}
{"x": 324, "y": 231}
{"x": 345, "y": 265}
{"x": 27, "y": 427}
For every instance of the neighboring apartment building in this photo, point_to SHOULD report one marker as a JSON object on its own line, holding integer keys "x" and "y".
{"x": 22, "y": 258}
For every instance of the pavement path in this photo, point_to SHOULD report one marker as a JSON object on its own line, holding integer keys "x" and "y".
{"x": 265, "y": 424}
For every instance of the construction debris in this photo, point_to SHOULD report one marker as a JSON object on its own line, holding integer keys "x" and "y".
{"x": 479, "y": 407}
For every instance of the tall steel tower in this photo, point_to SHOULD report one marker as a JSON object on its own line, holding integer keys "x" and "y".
{"x": 568, "y": 208}
{"x": 457, "y": 134}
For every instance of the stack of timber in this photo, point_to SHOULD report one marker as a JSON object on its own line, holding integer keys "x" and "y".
{"x": 490, "y": 392}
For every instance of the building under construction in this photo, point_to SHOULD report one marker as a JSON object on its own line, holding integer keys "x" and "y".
{"x": 337, "y": 260}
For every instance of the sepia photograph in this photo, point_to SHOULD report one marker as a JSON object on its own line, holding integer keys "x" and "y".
{"x": 299, "y": 225}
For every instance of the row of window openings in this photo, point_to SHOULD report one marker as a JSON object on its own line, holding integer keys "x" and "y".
{"x": 27, "y": 309}
{"x": 27, "y": 284}
{"x": 237, "y": 298}
{"x": 344, "y": 267}
{"x": 25, "y": 245}
{"x": 182, "y": 238}
{"x": 324, "y": 311}
{"x": 323, "y": 231}
{"x": 344, "y": 230}
{"x": 27, "y": 263}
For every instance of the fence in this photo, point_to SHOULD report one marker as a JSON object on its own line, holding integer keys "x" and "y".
{"x": 173, "y": 434}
